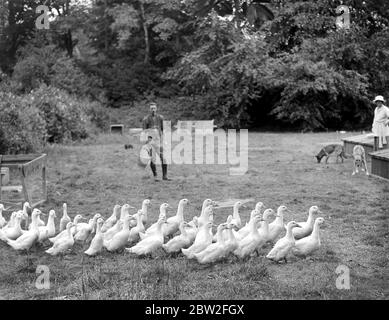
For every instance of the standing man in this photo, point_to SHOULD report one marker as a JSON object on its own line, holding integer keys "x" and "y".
{"x": 153, "y": 123}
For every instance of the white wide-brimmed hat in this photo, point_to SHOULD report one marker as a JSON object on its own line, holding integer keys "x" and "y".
{"x": 379, "y": 98}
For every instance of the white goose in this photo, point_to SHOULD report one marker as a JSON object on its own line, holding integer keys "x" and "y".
{"x": 111, "y": 221}
{"x": 97, "y": 242}
{"x": 48, "y": 230}
{"x": 120, "y": 239}
{"x": 15, "y": 230}
{"x": 284, "y": 245}
{"x": 64, "y": 233}
{"x": 84, "y": 230}
{"x": 202, "y": 241}
{"x": 306, "y": 227}
{"x": 214, "y": 251}
{"x": 3, "y": 222}
{"x": 65, "y": 218}
{"x": 26, "y": 240}
{"x": 173, "y": 223}
{"x": 308, "y": 245}
{"x": 64, "y": 243}
{"x": 249, "y": 244}
{"x": 277, "y": 226}
{"x": 153, "y": 242}
{"x": 182, "y": 241}
{"x": 139, "y": 227}
{"x": 144, "y": 212}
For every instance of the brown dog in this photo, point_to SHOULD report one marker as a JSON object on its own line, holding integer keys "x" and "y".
{"x": 336, "y": 149}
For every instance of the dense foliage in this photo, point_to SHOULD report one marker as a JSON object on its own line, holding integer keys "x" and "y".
{"x": 245, "y": 63}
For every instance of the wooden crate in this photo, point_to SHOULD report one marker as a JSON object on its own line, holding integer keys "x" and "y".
{"x": 117, "y": 128}
{"x": 365, "y": 140}
{"x": 26, "y": 165}
{"x": 380, "y": 163}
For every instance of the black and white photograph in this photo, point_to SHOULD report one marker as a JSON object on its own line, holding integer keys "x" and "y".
{"x": 194, "y": 150}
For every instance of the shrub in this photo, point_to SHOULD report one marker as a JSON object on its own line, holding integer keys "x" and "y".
{"x": 63, "y": 113}
{"x": 22, "y": 129}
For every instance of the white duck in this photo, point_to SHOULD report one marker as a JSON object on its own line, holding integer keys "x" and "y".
{"x": 202, "y": 241}
{"x": 64, "y": 243}
{"x": 65, "y": 218}
{"x": 236, "y": 220}
{"x": 182, "y": 241}
{"x": 283, "y": 245}
{"x": 173, "y": 223}
{"x": 214, "y": 251}
{"x": 64, "y": 233}
{"x": 97, "y": 242}
{"x": 306, "y": 227}
{"x": 84, "y": 230}
{"x": 111, "y": 221}
{"x": 144, "y": 211}
{"x": 125, "y": 211}
{"x": 25, "y": 217}
{"x": 139, "y": 227}
{"x": 249, "y": 244}
{"x": 26, "y": 240}
{"x": 204, "y": 217}
{"x": 231, "y": 243}
{"x": 191, "y": 229}
{"x": 308, "y": 245}
{"x": 277, "y": 226}
{"x": 120, "y": 239}
{"x": 15, "y": 230}
{"x": 162, "y": 214}
{"x": 243, "y": 232}
{"x": 11, "y": 221}
{"x": 48, "y": 230}
{"x": 3, "y": 222}
{"x": 153, "y": 242}
{"x": 108, "y": 235}
{"x": 263, "y": 230}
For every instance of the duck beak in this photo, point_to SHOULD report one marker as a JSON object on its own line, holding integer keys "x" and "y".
{"x": 298, "y": 226}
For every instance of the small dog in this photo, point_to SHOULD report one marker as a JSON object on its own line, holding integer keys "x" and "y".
{"x": 359, "y": 159}
{"x": 336, "y": 149}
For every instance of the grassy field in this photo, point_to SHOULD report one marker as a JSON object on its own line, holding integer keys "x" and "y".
{"x": 98, "y": 174}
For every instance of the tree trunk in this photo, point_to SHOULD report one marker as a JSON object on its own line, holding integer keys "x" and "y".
{"x": 146, "y": 33}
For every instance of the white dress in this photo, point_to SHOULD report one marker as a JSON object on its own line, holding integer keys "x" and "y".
{"x": 380, "y": 130}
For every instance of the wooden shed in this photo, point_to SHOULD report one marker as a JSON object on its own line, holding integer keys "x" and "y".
{"x": 365, "y": 140}
{"x": 380, "y": 163}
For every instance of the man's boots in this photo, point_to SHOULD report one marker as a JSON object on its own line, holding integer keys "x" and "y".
{"x": 164, "y": 172}
{"x": 154, "y": 170}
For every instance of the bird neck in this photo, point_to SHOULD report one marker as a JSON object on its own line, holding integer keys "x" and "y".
{"x": 315, "y": 233}
{"x": 310, "y": 220}
{"x": 235, "y": 213}
{"x": 139, "y": 222}
{"x": 144, "y": 210}
{"x": 289, "y": 233}
{"x": 265, "y": 226}
{"x": 50, "y": 221}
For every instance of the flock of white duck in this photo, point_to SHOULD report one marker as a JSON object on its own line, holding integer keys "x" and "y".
{"x": 194, "y": 239}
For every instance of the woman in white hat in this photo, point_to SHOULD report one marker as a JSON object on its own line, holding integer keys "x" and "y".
{"x": 381, "y": 124}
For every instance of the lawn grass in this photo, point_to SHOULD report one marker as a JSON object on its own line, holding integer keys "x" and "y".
{"x": 93, "y": 176}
